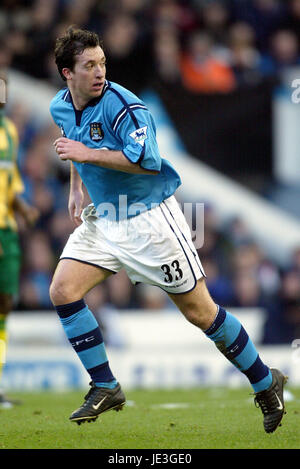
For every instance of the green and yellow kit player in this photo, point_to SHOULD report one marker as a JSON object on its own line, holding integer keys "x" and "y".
{"x": 11, "y": 203}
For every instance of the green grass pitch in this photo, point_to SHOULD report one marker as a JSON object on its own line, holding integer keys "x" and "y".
{"x": 177, "y": 419}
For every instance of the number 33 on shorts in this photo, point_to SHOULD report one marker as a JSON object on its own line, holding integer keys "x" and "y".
{"x": 178, "y": 266}
{"x": 167, "y": 270}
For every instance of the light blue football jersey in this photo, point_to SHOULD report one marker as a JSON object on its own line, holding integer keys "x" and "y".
{"x": 117, "y": 120}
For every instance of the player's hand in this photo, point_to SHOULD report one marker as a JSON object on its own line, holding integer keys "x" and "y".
{"x": 31, "y": 215}
{"x": 75, "y": 206}
{"x": 68, "y": 149}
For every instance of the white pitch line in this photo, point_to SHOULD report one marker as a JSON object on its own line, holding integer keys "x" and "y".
{"x": 171, "y": 405}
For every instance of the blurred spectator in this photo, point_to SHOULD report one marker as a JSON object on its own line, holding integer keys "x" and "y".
{"x": 126, "y": 50}
{"x": 77, "y": 11}
{"x": 174, "y": 16}
{"x": 219, "y": 285}
{"x": 5, "y": 53}
{"x": 31, "y": 44}
{"x": 246, "y": 60}
{"x": 202, "y": 71}
{"x": 246, "y": 259}
{"x": 284, "y": 53}
{"x": 265, "y": 17}
{"x": 167, "y": 52}
{"x": 21, "y": 116}
{"x": 153, "y": 298}
{"x": 269, "y": 278}
{"x": 290, "y": 304}
{"x": 291, "y": 21}
{"x": 216, "y": 18}
{"x": 120, "y": 293}
{"x": 39, "y": 264}
{"x": 217, "y": 244}
{"x": 250, "y": 258}
{"x": 238, "y": 231}
{"x": 139, "y": 33}
{"x": 29, "y": 298}
{"x": 60, "y": 228}
{"x": 247, "y": 290}
{"x": 283, "y": 323}
{"x": 295, "y": 262}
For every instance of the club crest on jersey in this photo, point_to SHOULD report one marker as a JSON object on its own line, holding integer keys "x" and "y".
{"x": 96, "y": 132}
{"x": 139, "y": 135}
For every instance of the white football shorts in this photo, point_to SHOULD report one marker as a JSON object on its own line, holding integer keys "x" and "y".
{"x": 154, "y": 247}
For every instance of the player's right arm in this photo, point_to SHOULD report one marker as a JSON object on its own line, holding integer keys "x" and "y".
{"x": 76, "y": 196}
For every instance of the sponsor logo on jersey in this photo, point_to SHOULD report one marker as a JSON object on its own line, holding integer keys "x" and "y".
{"x": 139, "y": 135}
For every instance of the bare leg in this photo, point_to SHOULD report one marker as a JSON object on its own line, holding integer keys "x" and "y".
{"x": 73, "y": 279}
{"x": 197, "y": 305}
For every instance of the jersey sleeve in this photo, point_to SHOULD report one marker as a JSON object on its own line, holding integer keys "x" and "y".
{"x": 134, "y": 127}
{"x": 17, "y": 186}
{"x": 14, "y": 136}
{"x": 55, "y": 107}
{"x": 52, "y": 110}
{"x": 17, "y": 183}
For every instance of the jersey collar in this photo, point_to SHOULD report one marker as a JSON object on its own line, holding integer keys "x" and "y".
{"x": 68, "y": 97}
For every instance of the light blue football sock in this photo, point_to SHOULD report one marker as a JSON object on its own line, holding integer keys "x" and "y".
{"x": 233, "y": 341}
{"x": 85, "y": 337}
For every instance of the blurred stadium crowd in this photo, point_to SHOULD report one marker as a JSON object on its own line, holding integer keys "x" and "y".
{"x": 209, "y": 47}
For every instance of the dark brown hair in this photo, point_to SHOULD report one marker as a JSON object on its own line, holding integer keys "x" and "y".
{"x": 73, "y": 43}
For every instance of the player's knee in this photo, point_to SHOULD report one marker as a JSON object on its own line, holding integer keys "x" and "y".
{"x": 194, "y": 315}
{"x": 200, "y": 315}
{"x": 61, "y": 293}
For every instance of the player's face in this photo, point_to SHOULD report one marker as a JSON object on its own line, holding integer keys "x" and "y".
{"x": 88, "y": 76}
